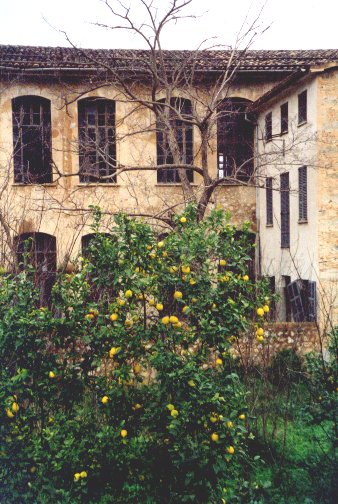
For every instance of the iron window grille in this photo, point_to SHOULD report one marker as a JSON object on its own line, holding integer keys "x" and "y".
{"x": 235, "y": 134}
{"x": 175, "y": 119}
{"x": 31, "y": 117}
{"x": 97, "y": 140}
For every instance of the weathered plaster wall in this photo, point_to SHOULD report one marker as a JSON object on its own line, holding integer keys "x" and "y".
{"x": 327, "y": 191}
{"x": 56, "y": 208}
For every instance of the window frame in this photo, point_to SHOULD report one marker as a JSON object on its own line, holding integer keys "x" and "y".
{"x": 235, "y": 139}
{"x": 284, "y": 118}
{"x": 32, "y": 140}
{"x": 269, "y": 201}
{"x": 268, "y": 127}
{"x": 102, "y": 151}
{"x": 302, "y": 107}
{"x": 184, "y": 134}
{"x": 285, "y": 210}
{"x": 302, "y": 195}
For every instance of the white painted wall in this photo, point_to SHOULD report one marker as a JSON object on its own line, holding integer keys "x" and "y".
{"x": 299, "y": 144}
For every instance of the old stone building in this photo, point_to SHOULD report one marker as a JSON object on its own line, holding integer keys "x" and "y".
{"x": 87, "y": 127}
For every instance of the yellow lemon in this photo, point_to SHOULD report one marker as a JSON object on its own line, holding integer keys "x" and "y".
{"x": 159, "y": 307}
{"x": 192, "y": 281}
{"x": 89, "y": 316}
{"x": 231, "y": 450}
{"x": 222, "y": 262}
{"x": 121, "y": 302}
{"x": 213, "y": 419}
{"x": 178, "y": 295}
{"x": 153, "y": 255}
{"x": 160, "y": 244}
{"x": 178, "y": 325}
{"x": 260, "y": 331}
{"x": 173, "y": 269}
{"x": 83, "y": 474}
{"x": 105, "y": 399}
{"x": 113, "y": 317}
{"x": 128, "y": 293}
{"x": 241, "y": 416}
{"x": 214, "y": 437}
{"x": 191, "y": 383}
{"x": 245, "y": 278}
{"x": 185, "y": 309}
{"x": 149, "y": 247}
{"x": 173, "y": 319}
{"x": 9, "y": 413}
{"x": 32, "y": 469}
{"x": 137, "y": 368}
{"x": 194, "y": 300}
{"x": 214, "y": 306}
{"x": 183, "y": 220}
{"x": 51, "y": 374}
{"x": 164, "y": 254}
{"x": 230, "y": 425}
{"x": 128, "y": 323}
{"x": 93, "y": 312}
{"x": 185, "y": 269}
{"x": 15, "y": 407}
{"x": 113, "y": 351}
{"x": 124, "y": 433}
{"x": 219, "y": 362}
{"x": 174, "y": 413}
{"x": 165, "y": 320}
{"x": 260, "y": 312}
{"x": 266, "y": 308}
{"x": 151, "y": 302}
{"x": 137, "y": 406}
{"x": 170, "y": 407}
{"x": 260, "y": 338}
{"x": 77, "y": 476}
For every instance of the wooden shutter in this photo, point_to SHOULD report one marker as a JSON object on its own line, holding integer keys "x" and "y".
{"x": 269, "y": 202}
{"x": 296, "y": 300}
{"x": 284, "y": 118}
{"x": 302, "y": 193}
{"x": 302, "y": 107}
{"x": 285, "y": 210}
{"x": 268, "y": 126}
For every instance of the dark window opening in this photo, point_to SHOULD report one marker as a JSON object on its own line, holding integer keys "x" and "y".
{"x": 285, "y": 210}
{"x": 32, "y": 140}
{"x": 39, "y": 251}
{"x": 302, "y": 193}
{"x": 303, "y": 300}
{"x": 272, "y": 286}
{"x": 235, "y": 134}
{"x": 97, "y": 140}
{"x": 176, "y": 120}
{"x": 284, "y": 118}
{"x": 269, "y": 202}
{"x": 268, "y": 126}
{"x": 302, "y": 107}
{"x": 286, "y": 299}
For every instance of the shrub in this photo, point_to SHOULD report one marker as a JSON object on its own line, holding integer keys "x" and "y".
{"x": 122, "y": 391}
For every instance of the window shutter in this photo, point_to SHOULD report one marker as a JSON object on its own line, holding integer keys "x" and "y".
{"x": 269, "y": 202}
{"x": 285, "y": 210}
{"x": 302, "y": 193}
{"x": 295, "y": 296}
{"x": 312, "y": 301}
{"x": 302, "y": 107}
{"x": 268, "y": 126}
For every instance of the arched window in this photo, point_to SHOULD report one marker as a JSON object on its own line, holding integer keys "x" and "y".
{"x": 177, "y": 118}
{"x": 32, "y": 140}
{"x": 39, "y": 250}
{"x": 97, "y": 142}
{"x": 235, "y": 135}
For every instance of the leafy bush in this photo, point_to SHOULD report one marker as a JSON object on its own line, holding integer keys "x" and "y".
{"x": 123, "y": 390}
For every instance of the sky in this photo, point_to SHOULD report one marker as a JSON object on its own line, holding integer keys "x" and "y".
{"x": 291, "y": 24}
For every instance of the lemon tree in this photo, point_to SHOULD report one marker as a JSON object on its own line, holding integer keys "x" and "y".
{"x": 123, "y": 391}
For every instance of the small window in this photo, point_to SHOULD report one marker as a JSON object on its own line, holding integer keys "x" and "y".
{"x": 285, "y": 210}
{"x": 269, "y": 202}
{"x": 302, "y": 193}
{"x": 272, "y": 286}
{"x": 284, "y": 118}
{"x": 39, "y": 250}
{"x": 268, "y": 126}
{"x": 302, "y": 107}
{"x": 97, "y": 146}
{"x": 178, "y": 117}
{"x": 32, "y": 140}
